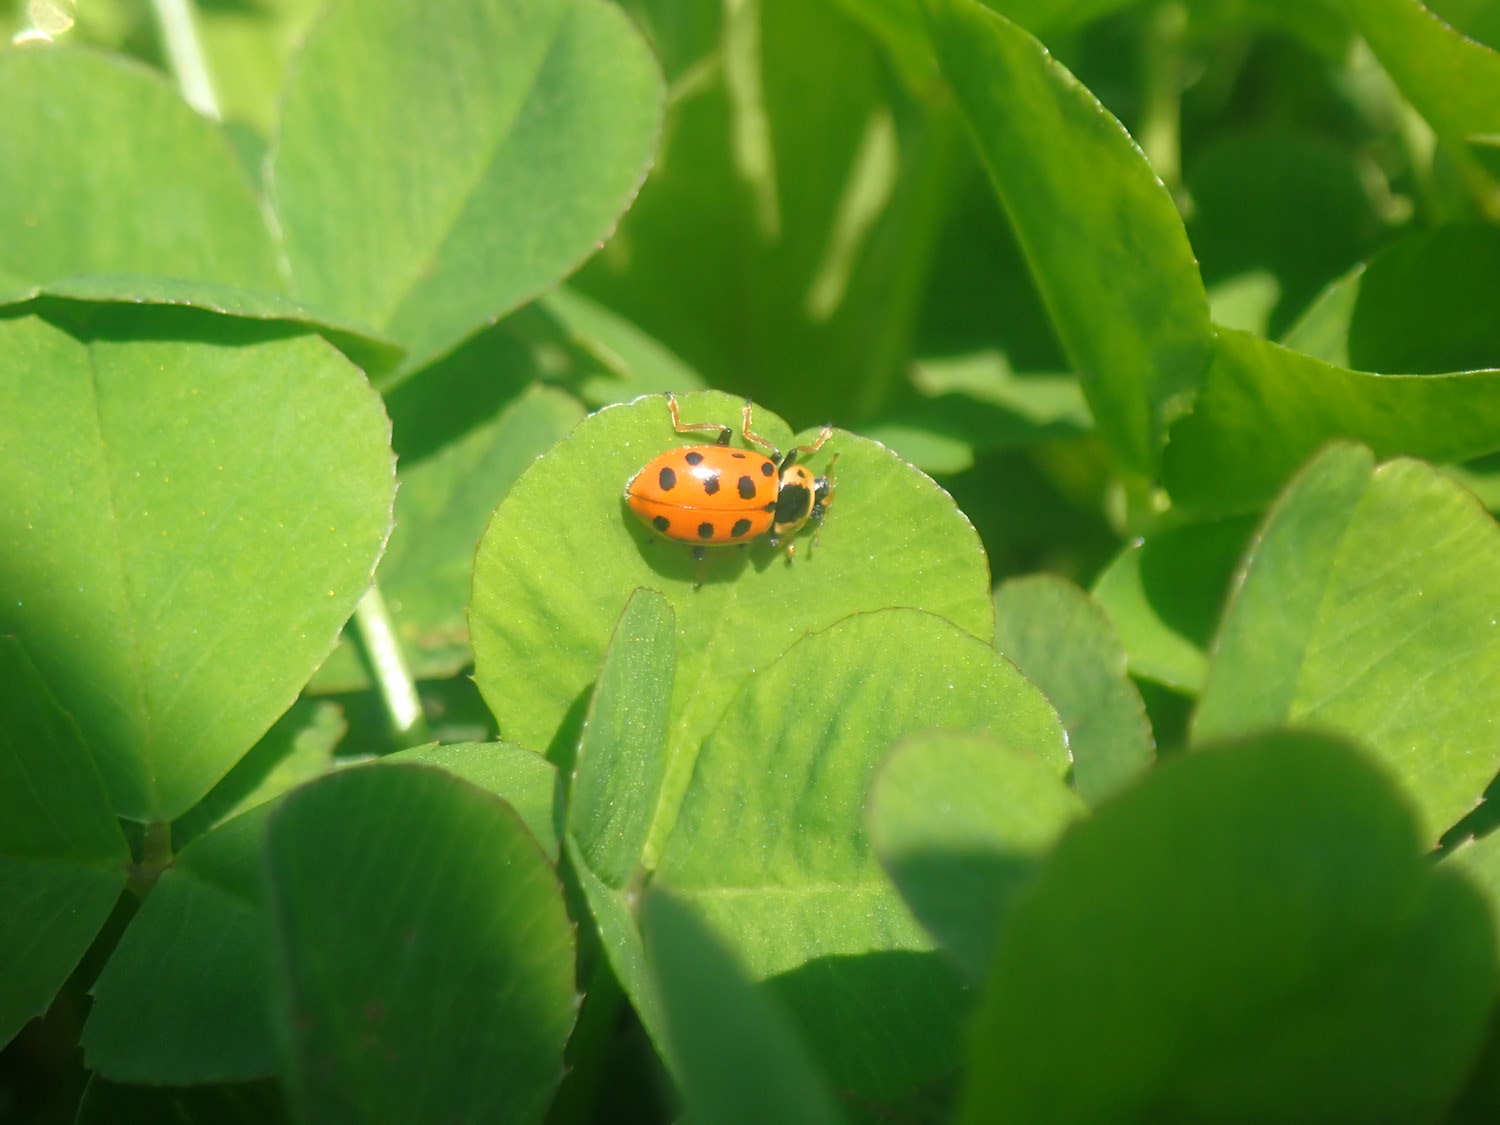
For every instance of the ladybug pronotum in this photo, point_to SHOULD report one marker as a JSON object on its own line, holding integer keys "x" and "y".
{"x": 716, "y": 496}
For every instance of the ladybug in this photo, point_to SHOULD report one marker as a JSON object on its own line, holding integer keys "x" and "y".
{"x": 715, "y": 496}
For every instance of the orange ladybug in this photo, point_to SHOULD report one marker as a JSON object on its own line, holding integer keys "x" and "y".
{"x": 715, "y": 496}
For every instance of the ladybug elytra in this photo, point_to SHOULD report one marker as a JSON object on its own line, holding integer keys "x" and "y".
{"x": 716, "y": 496}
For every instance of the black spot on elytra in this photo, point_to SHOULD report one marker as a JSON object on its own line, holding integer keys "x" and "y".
{"x": 769, "y": 506}
{"x": 766, "y": 468}
{"x": 693, "y": 458}
{"x": 667, "y": 479}
{"x": 661, "y": 523}
{"x": 705, "y": 531}
{"x": 711, "y": 483}
{"x": 747, "y": 488}
{"x": 739, "y": 456}
{"x": 739, "y": 528}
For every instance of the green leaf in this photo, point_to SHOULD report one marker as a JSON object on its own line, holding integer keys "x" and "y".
{"x": 770, "y": 843}
{"x": 1451, "y": 80}
{"x": 563, "y": 554}
{"x": 1322, "y": 330}
{"x": 1062, "y": 641}
{"x": 1053, "y": 16}
{"x": 426, "y": 960}
{"x": 1422, "y": 306}
{"x": 1480, "y": 861}
{"x": 961, "y": 822}
{"x": 105, "y": 170}
{"x": 527, "y": 781}
{"x": 1101, "y": 234}
{"x": 188, "y": 524}
{"x": 443, "y": 504}
{"x": 200, "y": 1014}
{"x": 617, "y": 774}
{"x": 735, "y": 1053}
{"x": 435, "y": 168}
{"x": 621, "y": 757}
{"x": 359, "y": 342}
{"x": 248, "y": 49}
{"x": 1265, "y": 410}
{"x": 630, "y": 362}
{"x": 62, "y": 856}
{"x": 298, "y": 747}
{"x": 1277, "y": 950}
{"x": 1366, "y": 606}
{"x": 1164, "y": 595}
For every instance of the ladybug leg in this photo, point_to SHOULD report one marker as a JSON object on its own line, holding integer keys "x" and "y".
{"x": 809, "y": 449}
{"x": 750, "y": 435}
{"x": 823, "y": 436}
{"x": 724, "y": 432}
{"x": 822, "y": 497}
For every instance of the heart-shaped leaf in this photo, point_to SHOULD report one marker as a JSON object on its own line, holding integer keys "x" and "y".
{"x": 62, "y": 857}
{"x": 105, "y": 170}
{"x": 1265, "y": 410}
{"x": 451, "y": 1000}
{"x": 187, "y": 525}
{"x": 1250, "y": 934}
{"x": 1061, "y": 640}
{"x": 1367, "y": 606}
{"x": 436, "y": 166}
{"x": 563, "y": 555}
{"x": 961, "y": 822}
{"x": 1100, "y": 232}
{"x": 770, "y": 845}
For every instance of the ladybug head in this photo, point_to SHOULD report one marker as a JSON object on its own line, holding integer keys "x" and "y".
{"x": 800, "y": 498}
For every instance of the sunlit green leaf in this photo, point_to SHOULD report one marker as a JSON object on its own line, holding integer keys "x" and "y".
{"x": 1063, "y": 642}
{"x": 436, "y": 166}
{"x": 188, "y": 524}
{"x": 770, "y": 844}
{"x": 105, "y": 170}
{"x": 1265, "y": 410}
{"x": 1101, "y": 234}
{"x": 960, "y": 822}
{"x": 538, "y": 641}
{"x": 1367, "y": 606}
{"x": 1164, "y": 595}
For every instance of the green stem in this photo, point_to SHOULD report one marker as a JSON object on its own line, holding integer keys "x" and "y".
{"x": 156, "y": 857}
{"x": 377, "y": 632}
{"x": 1161, "y": 76}
{"x": 184, "y": 50}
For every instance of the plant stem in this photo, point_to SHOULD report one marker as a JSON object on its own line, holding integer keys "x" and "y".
{"x": 156, "y": 857}
{"x": 377, "y": 632}
{"x": 184, "y": 50}
{"x": 1161, "y": 78}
